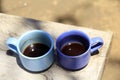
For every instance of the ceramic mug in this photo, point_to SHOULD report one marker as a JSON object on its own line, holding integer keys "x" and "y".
{"x": 34, "y": 64}
{"x": 79, "y": 61}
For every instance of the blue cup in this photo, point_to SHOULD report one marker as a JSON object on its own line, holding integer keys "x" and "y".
{"x": 34, "y": 64}
{"x": 79, "y": 61}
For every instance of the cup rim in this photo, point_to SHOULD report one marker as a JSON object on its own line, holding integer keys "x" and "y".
{"x": 38, "y": 31}
{"x": 72, "y": 31}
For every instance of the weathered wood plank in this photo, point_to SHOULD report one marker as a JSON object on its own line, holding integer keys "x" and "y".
{"x": 16, "y": 26}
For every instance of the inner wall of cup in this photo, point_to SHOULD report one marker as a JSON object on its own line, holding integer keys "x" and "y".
{"x": 74, "y": 38}
{"x": 34, "y": 38}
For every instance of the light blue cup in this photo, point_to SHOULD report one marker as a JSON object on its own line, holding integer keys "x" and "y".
{"x": 34, "y": 64}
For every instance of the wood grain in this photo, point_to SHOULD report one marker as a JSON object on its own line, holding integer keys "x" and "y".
{"x": 14, "y": 26}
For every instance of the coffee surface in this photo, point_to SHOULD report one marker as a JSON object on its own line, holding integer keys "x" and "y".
{"x": 36, "y": 50}
{"x": 73, "y": 49}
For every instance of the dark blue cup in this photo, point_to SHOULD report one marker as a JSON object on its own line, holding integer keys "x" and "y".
{"x": 79, "y": 61}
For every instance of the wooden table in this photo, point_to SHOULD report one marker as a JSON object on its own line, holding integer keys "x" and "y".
{"x": 16, "y": 26}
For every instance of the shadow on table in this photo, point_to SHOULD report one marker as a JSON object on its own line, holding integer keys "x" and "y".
{"x": 23, "y": 25}
{"x": 35, "y": 24}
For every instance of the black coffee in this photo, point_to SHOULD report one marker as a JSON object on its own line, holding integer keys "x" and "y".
{"x": 73, "y": 49}
{"x": 36, "y": 50}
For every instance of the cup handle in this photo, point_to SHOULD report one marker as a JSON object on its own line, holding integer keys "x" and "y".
{"x": 96, "y": 43}
{"x": 12, "y": 44}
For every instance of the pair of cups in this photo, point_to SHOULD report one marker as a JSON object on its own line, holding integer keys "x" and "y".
{"x": 42, "y": 62}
